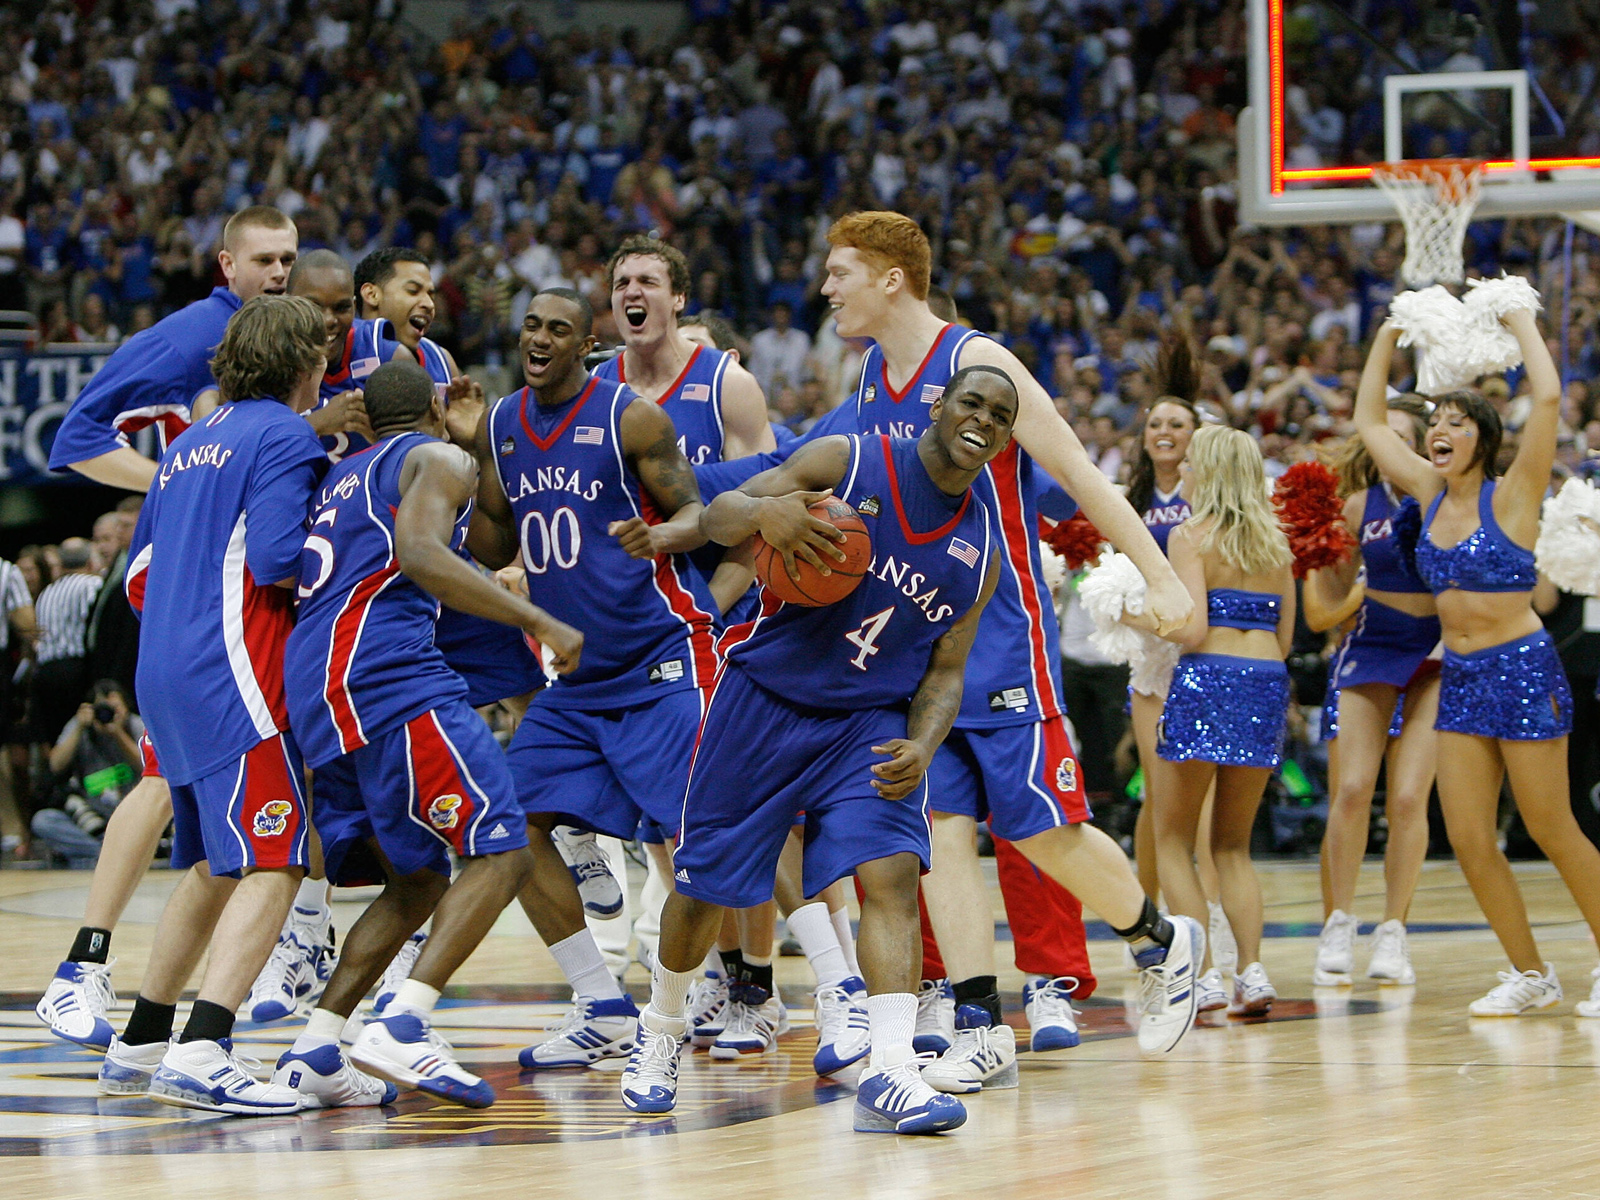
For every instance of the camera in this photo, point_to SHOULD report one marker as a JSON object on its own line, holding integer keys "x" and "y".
{"x": 104, "y": 713}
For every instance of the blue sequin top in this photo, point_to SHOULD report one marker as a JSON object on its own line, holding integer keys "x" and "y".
{"x": 1389, "y": 567}
{"x": 1230, "y": 608}
{"x": 1484, "y": 561}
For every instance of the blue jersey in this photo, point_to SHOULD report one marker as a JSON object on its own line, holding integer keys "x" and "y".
{"x": 1166, "y": 513}
{"x": 646, "y": 622}
{"x": 693, "y": 401}
{"x": 871, "y": 649}
{"x": 361, "y": 660}
{"x": 363, "y": 354}
{"x": 224, "y": 523}
{"x": 152, "y": 379}
{"x": 376, "y": 339}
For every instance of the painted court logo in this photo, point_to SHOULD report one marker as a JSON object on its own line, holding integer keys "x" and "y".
{"x": 272, "y": 818}
{"x": 444, "y": 811}
{"x": 1066, "y": 775}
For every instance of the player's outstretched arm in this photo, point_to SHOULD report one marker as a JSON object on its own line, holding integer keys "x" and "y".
{"x": 492, "y": 534}
{"x": 650, "y": 444}
{"x": 436, "y": 480}
{"x": 774, "y": 504}
{"x": 935, "y": 704}
{"x": 123, "y": 467}
{"x": 745, "y": 429}
{"x": 1042, "y": 433}
{"x": 1398, "y": 463}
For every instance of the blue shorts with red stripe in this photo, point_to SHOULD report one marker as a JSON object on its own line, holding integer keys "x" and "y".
{"x": 251, "y": 814}
{"x": 604, "y": 770}
{"x": 149, "y": 764}
{"x": 762, "y": 762}
{"x": 1023, "y": 779}
{"x": 436, "y": 783}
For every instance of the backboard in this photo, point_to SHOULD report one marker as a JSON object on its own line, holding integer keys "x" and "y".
{"x": 1330, "y": 96}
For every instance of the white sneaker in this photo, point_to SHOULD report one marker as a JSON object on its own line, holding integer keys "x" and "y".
{"x": 983, "y": 1057}
{"x": 1168, "y": 997}
{"x": 398, "y": 971}
{"x": 325, "y": 1079}
{"x": 707, "y": 1009}
{"x": 126, "y": 1069}
{"x": 1517, "y": 992}
{"x": 936, "y": 1017}
{"x": 1336, "y": 950}
{"x": 844, "y": 1035}
{"x": 593, "y": 1030}
{"x": 757, "y": 1018}
{"x": 591, "y": 870}
{"x": 1391, "y": 957}
{"x": 1213, "y": 995}
{"x": 1591, "y": 1006}
{"x": 214, "y": 1077}
{"x": 1052, "y": 1021}
{"x": 1253, "y": 992}
{"x": 288, "y": 980}
{"x": 76, "y": 1003}
{"x": 650, "y": 1080}
{"x": 401, "y": 1046}
{"x": 896, "y": 1098}
{"x": 1224, "y": 950}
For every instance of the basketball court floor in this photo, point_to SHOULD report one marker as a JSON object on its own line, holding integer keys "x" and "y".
{"x": 1340, "y": 1093}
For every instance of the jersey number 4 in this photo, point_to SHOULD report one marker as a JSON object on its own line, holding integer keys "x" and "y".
{"x": 866, "y": 638}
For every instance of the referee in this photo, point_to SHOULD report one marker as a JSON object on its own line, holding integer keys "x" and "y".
{"x": 60, "y": 672}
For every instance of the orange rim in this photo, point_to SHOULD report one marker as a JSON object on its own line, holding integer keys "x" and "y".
{"x": 1452, "y": 179}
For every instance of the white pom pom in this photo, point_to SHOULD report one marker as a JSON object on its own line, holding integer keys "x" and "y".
{"x": 1568, "y": 549}
{"x": 1491, "y": 299}
{"x": 1055, "y": 567}
{"x": 1458, "y": 342}
{"x": 1153, "y": 666}
{"x": 1107, "y": 591}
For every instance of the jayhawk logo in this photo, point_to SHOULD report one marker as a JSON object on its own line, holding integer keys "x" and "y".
{"x": 1067, "y": 775}
{"x": 444, "y": 811}
{"x": 272, "y": 818}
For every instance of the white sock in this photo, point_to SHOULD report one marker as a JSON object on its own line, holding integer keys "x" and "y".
{"x": 585, "y": 967}
{"x": 847, "y": 941}
{"x": 418, "y": 997}
{"x": 311, "y": 901}
{"x": 757, "y": 960}
{"x": 669, "y": 990}
{"x": 322, "y": 1029}
{"x": 812, "y": 926}
{"x": 892, "y": 1019}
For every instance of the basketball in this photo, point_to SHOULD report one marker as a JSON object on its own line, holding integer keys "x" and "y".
{"x": 814, "y": 589}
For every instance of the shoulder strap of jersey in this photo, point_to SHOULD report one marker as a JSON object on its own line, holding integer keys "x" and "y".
{"x": 847, "y": 488}
{"x": 960, "y": 340}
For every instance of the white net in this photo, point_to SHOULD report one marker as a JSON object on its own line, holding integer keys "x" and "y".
{"x": 1435, "y": 199}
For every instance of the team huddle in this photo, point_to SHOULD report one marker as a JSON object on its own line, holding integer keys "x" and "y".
{"x": 315, "y": 572}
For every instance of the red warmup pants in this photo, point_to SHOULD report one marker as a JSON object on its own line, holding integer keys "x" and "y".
{"x": 1047, "y": 934}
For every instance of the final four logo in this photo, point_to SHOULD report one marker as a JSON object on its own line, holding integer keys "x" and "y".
{"x": 1066, "y": 775}
{"x": 444, "y": 811}
{"x": 272, "y": 818}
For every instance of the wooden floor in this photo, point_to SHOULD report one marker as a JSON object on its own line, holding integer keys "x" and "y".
{"x": 1362, "y": 1093}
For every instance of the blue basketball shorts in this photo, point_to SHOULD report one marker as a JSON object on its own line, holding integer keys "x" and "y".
{"x": 760, "y": 763}
{"x": 604, "y": 770}
{"x": 1022, "y": 779}
{"x": 495, "y": 660}
{"x": 436, "y": 783}
{"x": 249, "y": 815}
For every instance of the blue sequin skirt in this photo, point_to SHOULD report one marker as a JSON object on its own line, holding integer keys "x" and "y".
{"x": 1516, "y": 690}
{"x": 1227, "y": 710}
{"x": 1386, "y": 646}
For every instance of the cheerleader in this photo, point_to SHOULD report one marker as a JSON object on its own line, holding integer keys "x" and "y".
{"x": 1384, "y": 693}
{"x": 1226, "y": 710}
{"x": 1504, "y": 705}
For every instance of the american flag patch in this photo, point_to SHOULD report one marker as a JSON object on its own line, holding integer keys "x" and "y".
{"x": 931, "y": 392}
{"x": 695, "y": 391}
{"x": 965, "y": 552}
{"x": 588, "y": 435}
{"x": 360, "y": 368}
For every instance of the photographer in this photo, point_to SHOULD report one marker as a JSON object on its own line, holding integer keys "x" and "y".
{"x": 93, "y": 764}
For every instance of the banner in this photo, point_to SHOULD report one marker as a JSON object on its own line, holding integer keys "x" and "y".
{"x": 36, "y": 389}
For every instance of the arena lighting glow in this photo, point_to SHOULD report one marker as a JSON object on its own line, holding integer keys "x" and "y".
{"x": 1280, "y": 176}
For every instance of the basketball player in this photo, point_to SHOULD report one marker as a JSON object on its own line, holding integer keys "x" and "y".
{"x": 824, "y": 692}
{"x": 570, "y": 465}
{"x": 1009, "y": 757}
{"x": 154, "y": 379}
{"x": 216, "y": 550}
{"x": 339, "y": 419}
{"x": 371, "y": 697}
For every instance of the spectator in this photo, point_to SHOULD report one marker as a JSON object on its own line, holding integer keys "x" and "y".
{"x": 62, "y": 612}
{"x": 112, "y": 643}
{"x": 93, "y": 764}
{"x": 778, "y": 354}
{"x": 16, "y": 644}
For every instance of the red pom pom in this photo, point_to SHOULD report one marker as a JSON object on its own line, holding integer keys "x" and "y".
{"x": 1312, "y": 515}
{"x": 1076, "y": 540}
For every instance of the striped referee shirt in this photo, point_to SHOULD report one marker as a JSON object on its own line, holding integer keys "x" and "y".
{"x": 13, "y": 595}
{"x": 62, "y": 612}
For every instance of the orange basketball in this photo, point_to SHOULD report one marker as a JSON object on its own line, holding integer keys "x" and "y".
{"x": 814, "y": 589}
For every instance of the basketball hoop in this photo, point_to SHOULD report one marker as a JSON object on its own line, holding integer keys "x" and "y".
{"x": 1435, "y": 198}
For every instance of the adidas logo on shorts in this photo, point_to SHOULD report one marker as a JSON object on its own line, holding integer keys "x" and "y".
{"x": 681, "y": 875}
{"x": 498, "y": 832}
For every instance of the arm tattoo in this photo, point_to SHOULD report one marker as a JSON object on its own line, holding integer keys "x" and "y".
{"x": 668, "y": 476}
